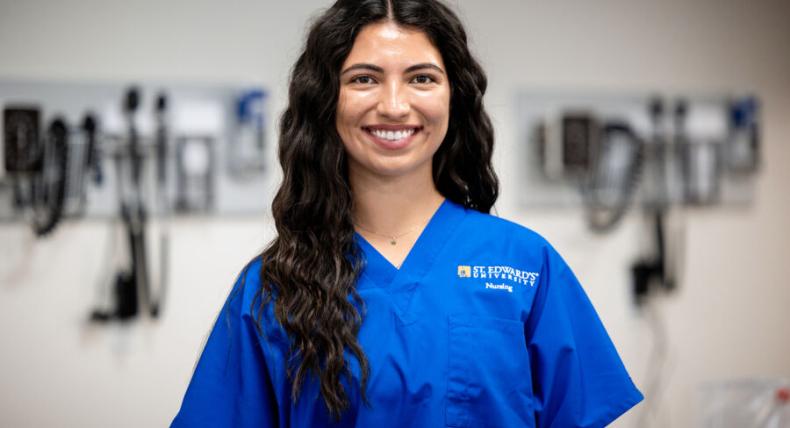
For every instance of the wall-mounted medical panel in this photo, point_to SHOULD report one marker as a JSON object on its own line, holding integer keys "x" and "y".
{"x": 610, "y": 150}
{"x": 73, "y": 149}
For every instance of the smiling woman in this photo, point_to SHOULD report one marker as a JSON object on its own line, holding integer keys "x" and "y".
{"x": 390, "y": 296}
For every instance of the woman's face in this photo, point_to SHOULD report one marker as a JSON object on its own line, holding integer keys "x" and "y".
{"x": 394, "y": 102}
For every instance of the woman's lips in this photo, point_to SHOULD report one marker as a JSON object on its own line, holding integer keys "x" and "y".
{"x": 391, "y": 144}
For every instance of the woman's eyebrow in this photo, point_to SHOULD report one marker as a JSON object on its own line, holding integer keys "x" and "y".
{"x": 371, "y": 67}
{"x": 424, "y": 65}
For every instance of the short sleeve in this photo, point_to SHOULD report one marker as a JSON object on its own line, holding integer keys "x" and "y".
{"x": 231, "y": 386}
{"x": 579, "y": 379}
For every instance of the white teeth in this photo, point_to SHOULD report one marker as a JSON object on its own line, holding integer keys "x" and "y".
{"x": 393, "y": 135}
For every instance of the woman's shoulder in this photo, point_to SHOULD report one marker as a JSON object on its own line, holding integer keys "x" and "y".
{"x": 496, "y": 241}
{"x": 508, "y": 231}
{"x": 248, "y": 280}
{"x": 251, "y": 272}
{"x": 248, "y": 301}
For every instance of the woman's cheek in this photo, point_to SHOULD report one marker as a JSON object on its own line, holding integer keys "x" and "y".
{"x": 437, "y": 105}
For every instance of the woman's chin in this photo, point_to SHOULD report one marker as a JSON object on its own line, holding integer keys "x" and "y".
{"x": 393, "y": 168}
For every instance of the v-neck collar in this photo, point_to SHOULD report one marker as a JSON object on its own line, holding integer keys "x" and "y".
{"x": 420, "y": 258}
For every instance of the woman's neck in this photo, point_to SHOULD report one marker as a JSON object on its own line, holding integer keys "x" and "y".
{"x": 394, "y": 205}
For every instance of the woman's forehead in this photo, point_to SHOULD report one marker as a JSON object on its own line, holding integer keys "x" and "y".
{"x": 389, "y": 42}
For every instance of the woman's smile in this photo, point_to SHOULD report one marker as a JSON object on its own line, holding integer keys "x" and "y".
{"x": 393, "y": 137}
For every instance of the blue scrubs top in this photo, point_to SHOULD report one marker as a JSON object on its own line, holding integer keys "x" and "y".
{"x": 484, "y": 325}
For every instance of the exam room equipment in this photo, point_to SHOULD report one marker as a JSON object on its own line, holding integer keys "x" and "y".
{"x": 660, "y": 149}
{"x": 136, "y": 157}
{"x": 612, "y": 154}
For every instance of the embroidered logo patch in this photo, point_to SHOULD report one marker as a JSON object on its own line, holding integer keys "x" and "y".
{"x": 508, "y": 273}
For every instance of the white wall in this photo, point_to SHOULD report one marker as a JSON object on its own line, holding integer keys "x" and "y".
{"x": 727, "y": 320}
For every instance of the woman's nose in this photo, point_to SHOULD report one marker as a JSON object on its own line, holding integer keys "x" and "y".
{"x": 394, "y": 101}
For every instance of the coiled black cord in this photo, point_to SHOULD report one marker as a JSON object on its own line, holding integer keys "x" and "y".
{"x": 49, "y": 185}
{"x": 602, "y": 216}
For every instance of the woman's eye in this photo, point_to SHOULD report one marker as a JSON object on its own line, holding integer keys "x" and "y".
{"x": 362, "y": 79}
{"x": 423, "y": 78}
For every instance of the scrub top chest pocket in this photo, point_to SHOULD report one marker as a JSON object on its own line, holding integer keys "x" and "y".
{"x": 489, "y": 382}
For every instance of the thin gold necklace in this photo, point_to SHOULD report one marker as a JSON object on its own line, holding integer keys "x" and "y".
{"x": 393, "y": 238}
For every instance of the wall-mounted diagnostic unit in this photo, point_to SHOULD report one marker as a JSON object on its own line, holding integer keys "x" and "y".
{"x": 138, "y": 155}
{"x": 607, "y": 154}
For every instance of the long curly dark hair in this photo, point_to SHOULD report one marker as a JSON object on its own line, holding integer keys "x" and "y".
{"x": 310, "y": 269}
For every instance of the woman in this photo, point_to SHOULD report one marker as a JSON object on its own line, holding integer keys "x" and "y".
{"x": 390, "y": 298}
